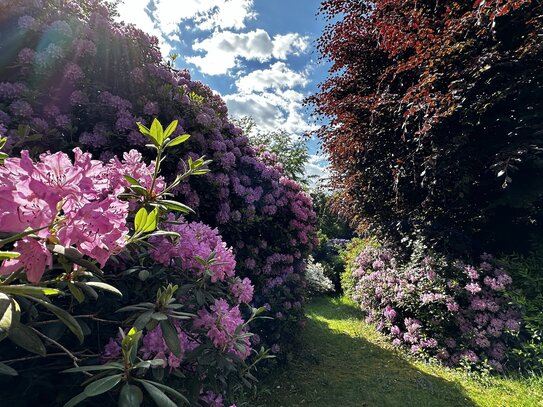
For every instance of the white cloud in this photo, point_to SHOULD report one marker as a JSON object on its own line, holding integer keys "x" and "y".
{"x": 271, "y": 110}
{"x": 317, "y": 170}
{"x": 162, "y": 18}
{"x": 224, "y": 49}
{"x": 291, "y": 43}
{"x": 277, "y": 76}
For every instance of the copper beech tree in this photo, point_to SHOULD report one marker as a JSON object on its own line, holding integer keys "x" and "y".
{"x": 435, "y": 118}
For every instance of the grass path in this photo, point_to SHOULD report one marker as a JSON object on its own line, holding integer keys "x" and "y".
{"x": 346, "y": 363}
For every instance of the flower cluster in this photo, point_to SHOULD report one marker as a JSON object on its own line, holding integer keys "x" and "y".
{"x": 220, "y": 324}
{"x": 154, "y": 347}
{"x": 69, "y": 203}
{"x": 457, "y": 313}
{"x": 198, "y": 241}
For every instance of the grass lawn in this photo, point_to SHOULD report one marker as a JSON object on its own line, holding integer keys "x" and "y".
{"x": 346, "y": 363}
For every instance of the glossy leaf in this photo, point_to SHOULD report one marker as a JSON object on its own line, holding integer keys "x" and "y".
{"x": 170, "y": 337}
{"x": 102, "y": 385}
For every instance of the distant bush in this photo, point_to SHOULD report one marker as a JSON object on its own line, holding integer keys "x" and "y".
{"x": 316, "y": 280}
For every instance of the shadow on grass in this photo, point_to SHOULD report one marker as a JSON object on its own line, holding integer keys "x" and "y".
{"x": 341, "y": 368}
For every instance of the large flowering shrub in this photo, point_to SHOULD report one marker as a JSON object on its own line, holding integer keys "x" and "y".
{"x": 74, "y": 226}
{"x": 464, "y": 318}
{"x": 71, "y": 76}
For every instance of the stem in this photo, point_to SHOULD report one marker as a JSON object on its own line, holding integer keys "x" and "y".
{"x": 157, "y": 169}
{"x": 70, "y": 354}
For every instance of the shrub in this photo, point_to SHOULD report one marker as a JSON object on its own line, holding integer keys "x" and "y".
{"x": 72, "y": 77}
{"x": 327, "y": 254}
{"x": 316, "y": 280}
{"x": 71, "y": 231}
{"x": 464, "y": 318}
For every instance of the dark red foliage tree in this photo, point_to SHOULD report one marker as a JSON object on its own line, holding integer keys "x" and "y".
{"x": 435, "y": 112}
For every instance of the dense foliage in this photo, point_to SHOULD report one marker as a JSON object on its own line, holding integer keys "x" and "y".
{"x": 70, "y": 76}
{"x": 435, "y": 119}
{"x": 527, "y": 293}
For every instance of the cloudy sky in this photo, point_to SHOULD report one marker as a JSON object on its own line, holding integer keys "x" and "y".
{"x": 258, "y": 54}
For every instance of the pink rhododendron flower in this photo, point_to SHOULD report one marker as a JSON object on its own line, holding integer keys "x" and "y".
{"x": 197, "y": 239}
{"x": 34, "y": 259}
{"x": 221, "y": 324}
{"x": 79, "y": 194}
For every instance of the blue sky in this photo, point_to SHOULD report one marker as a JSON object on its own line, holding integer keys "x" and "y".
{"x": 258, "y": 54}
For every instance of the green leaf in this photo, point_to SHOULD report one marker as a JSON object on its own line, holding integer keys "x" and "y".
{"x": 142, "y": 321}
{"x": 19, "y": 236}
{"x": 75, "y": 256}
{"x": 170, "y": 129}
{"x": 65, "y": 317}
{"x": 27, "y": 339}
{"x": 138, "y": 189}
{"x": 143, "y": 129}
{"x": 9, "y": 255}
{"x": 76, "y": 400}
{"x": 6, "y": 315}
{"x": 170, "y": 337}
{"x": 105, "y": 287}
{"x": 76, "y": 292}
{"x": 131, "y": 396}
{"x": 94, "y": 368}
{"x": 178, "y": 140}
{"x": 138, "y": 307}
{"x": 131, "y": 180}
{"x": 176, "y": 206}
{"x": 159, "y": 316}
{"x": 140, "y": 219}
{"x": 146, "y": 221}
{"x": 165, "y": 233}
{"x": 157, "y": 132}
{"x": 7, "y": 370}
{"x": 165, "y": 389}
{"x": 28, "y": 290}
{"x": 102, "y": 385}
{"x": 160, "y": 399}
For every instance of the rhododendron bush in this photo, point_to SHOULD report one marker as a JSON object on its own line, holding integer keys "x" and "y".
{"x": 72, "y": 77}
{"x": 75, "y": 226}
{"x": 457, "y": 312}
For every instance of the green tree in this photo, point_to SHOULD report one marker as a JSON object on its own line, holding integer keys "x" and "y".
{"x": 291, "y": 150}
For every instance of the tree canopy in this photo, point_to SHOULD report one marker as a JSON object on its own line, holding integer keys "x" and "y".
{"x": 435, "y": 111}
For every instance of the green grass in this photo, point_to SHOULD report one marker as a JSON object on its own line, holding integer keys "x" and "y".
{"x": 346, "y": 363}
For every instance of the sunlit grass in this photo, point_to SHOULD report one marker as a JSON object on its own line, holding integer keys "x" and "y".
{"x": 347, "y": 363}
